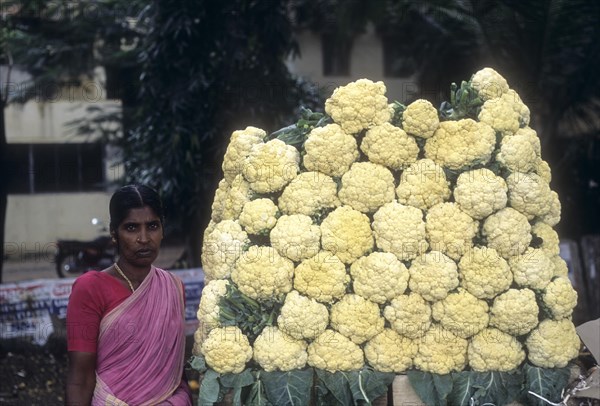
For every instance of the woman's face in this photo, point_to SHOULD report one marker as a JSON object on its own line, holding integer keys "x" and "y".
{"x": 139, "y": 236}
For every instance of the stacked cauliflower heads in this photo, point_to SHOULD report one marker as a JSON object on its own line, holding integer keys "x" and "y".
{"x": 424, "y": 244}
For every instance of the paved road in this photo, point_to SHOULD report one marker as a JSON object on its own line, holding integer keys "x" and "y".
{"x": 42, "y": 266}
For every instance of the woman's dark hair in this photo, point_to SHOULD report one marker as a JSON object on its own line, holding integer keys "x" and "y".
{"x": 133, "y": 197}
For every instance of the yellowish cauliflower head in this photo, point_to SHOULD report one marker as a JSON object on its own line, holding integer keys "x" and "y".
{"x": 400, "y": 229}
{"x": 271, "y": 166}
{"x": 409, "y": 315}
{"x": 367, "y": 186}
{"x": 544, "y": 171}
{"x": 480, "y": 193}
{"x": 296, "y": 237}
{"x": 508, "y": 232}
{"x": 390, "y": 146}
{"x": 533, "y": 269}
{"x": 356, "y": 318}
{"x": 552, "y": 218}
{"x": 560, "y": 266}
{"x": 433, "y": 275}
{"x": 261, "y": 273}
{"x": 461, "y": 313}
{"x": 239, "y": 147}
{"x": 529, "y": 194}
{"x": 423, "y": 184}
{"x": 221, "y": 249}
{"x": 489, "y": 84}
{"x": 302, "y": 317}
{"x": 322, "y": 277}
{"x": 347, "y": 234}
{"x": 230, "y": 199}
{"x": 484, "y": 273}
{"x": 276, "y": 351}
{"x": 519, "y": 107}
{"x": 420, "y": 119}
{"x": 208, "y": 310}
{"x": 450, "y": 230}
{"x": 359, "y": 105}
{"x": 379, "y": 277}
{"x": 517, "y": 153}
{"x": 309, "y": 193}
{"x": 461, "y": 144}
{"x": 388, "y": 351}
{"x": 494, "y": 350}
{"x": 333, "y": 352}
{"x": 560, "y": 298}
{"x": 259, "y": 216}
{"x": 553, "y": 343}
{"x": 550, "y": 241}
{"x": 501, "y": 114}
{"x": 515, "y": 312}
{"x": 441, "y": 351}
{"x": 330, "y": 150}
{"x": 227, "y": 350}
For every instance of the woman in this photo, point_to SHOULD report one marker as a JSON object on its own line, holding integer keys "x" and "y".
{"x": 125, "y": 324}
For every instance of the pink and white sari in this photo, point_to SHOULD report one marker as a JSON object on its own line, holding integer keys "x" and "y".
{"x": 141, "y": 347}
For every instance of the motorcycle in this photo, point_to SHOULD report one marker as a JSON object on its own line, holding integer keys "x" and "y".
{"x": 74, "y": 257}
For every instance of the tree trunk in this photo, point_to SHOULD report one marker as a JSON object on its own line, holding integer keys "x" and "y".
{"x": 3, "y": 184}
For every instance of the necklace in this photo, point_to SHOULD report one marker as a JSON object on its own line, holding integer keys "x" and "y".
{"x": 123, "y": 275}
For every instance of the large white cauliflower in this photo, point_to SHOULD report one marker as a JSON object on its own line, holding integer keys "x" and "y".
{"x": 409, "y": 315}
{"x": 239, "y": 147}
{"x": 552, "y": 218}
{"x": 221, "y": 249}
{"x": 390, "y": 146}
{"x": 480, "y": 193}
{"x": 533, "y": 269}
{"x": 484, "y": 273}
{"x": 441, "y": 351}
{"x": 379, "y": 277}
{"x": 271, "y": 166}
{"x": 553, "y": 343}
{"x": 518, "y": 153}
{"x": 549, "y": 238}
{"x": 529, "y": 194}
{"x": 519, "y": 107}
{"x": 330, "y": 150}
{"x": 400, "y": 229}
{"x": 450, "y": 230}
{"x": 423, "y": 184}
{"x": 230, "y": 199}
{"x": 461, "y": 313}
{"x": 322, "y": 277}
{"x": 515, "y": 311}
{"x": 333, "y": 352}
{"x": 433, "y": 275}
{"x": 494, "y": 350}
{"x": 489, "y": 84}
{"x": 347, "y": 234}
{"x": 276, "y": 351}
{"x": 302, "y": 317}
{"x": 501, "y": 114}
{"x": 208, "y": 310}
{"x": 359, "y": 105}
{"x": 259, "y": 216}
{"x": 508, "y": 232}
{"x": 227, "y": 350}
{"x": 367, "y": 186}
{"x": 308, "y": 194}
{"x": 356, "y": 318}
{"x": 388, "y": 351}
{"x": 296, "y": 237}
{"x": 560, "y": 298}
{"x": 420, "y": 119}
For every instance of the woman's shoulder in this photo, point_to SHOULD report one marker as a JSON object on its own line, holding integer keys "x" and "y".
{"x": 92, "y": 280}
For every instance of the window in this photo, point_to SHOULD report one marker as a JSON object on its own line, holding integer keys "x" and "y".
{"x": 397, "y": 59}
{"x": 336, "y": 55}
{"x": 51, "y": 168}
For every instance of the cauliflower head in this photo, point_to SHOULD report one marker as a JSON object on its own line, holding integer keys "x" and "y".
{"x": 359, "y": 105}
{"x": 560, "y": 298}
{"x": 390, "y": 146}
{"x": 274, "y": 350}
{"x": 230, "y": 199}
{"x": 461, "y": 144}
{"x": 366, "y": 187}
{"x": 296, "y": 237}
{"x": 494, "y": 350}
{"x": 240, "y": 144}
{"x": 553, "y": 343}
{"x": 258, "y": 216}
{"x": 221, "y": 249}
{"x": 515, "y": 312}
{"x": 409, "y": 315}
{"x": 461, "y": 313}
{"x": 508, "y": 232}
{"x": 433, "y": 275}
{"x": 208, "y": 310}
{"x": 533, "y": 269}
{"x": 450, "y": 230}
{"x": 529, "y": 194}
{"x": 552, "y": 218}
{"x": 484, "y": 273}
{"x": 379, "y": 277}
{"x": 227, "y": 350}
{"x": 356, "y": 318}
{"x": 480, "y": 193}
{"x": 441, "y": 351}
{"x": 489, "y": 84}
{"x": 388, "y": 351}
{"x": 501, "y": 114}
{"x": 271, "y": 165}
{"x": 517, "y": 153}
{"x": 333, "y": 352}
{"x": 400, "y": 229}
{"x": 347, "y": 234}
{"x": 420, "y": 119}
{"x": 520, "y": 107}
{"x": 308, "y": 194}
{"x": 423, "y": 185}
{"x": 302, "y": 317}
{"x": 261, "y": 273}
{"x": 330, "y": 150}
{"x": 550, "y": 241}
{"x": 560, "y": 266}
{"x": 544, "y": 171}
{"x": 322, "y": 277}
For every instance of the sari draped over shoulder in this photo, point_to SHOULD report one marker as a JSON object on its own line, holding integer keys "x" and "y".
{"x": 141, "y": 346}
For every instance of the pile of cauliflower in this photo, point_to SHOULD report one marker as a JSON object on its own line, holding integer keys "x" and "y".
{"x": 391, "y": 238}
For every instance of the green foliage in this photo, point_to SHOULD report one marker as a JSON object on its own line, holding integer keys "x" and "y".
{"x": 288, "y": 388}
{"x": 296, "y": 134}
{"x": 354, "y": 387}
{"x": 433, "y": 389}
{"x": 499, "y": 388}
{"x": 464, "y": 103}
{"x": 257, "y": 395}
{"x": 544, "y": 382}
{"x": 398, "y": 111}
